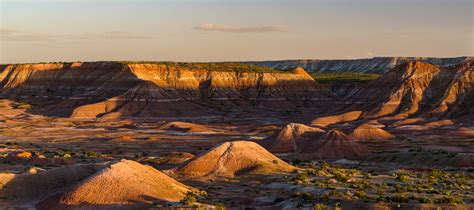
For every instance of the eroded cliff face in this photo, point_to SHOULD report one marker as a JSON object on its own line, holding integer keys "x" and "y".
{"x": 110, "y": 89}
{"x": 418, "y": 89}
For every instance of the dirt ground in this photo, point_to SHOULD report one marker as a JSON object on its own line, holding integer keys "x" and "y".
{"x": 45, "y": 143}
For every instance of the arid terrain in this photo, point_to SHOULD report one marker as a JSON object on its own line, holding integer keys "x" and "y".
{"x": 144, "y": 135}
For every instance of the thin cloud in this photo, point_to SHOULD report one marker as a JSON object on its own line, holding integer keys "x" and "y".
{"x": 234, "y": 29}
{"x": 106, "y": 35}
{"x": 17, "y": 35}
{"x": 7, "y": 34}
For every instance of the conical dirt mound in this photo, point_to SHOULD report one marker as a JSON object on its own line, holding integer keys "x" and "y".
{"x": 370, "y": 132}
{"x": 335, "y": 144}
{"x": 233, "y": 159}
{"x": 122, "y": 183}
{"x": 290, "y": 138}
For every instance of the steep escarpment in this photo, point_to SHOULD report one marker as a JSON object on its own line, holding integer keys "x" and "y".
{"x": 418, "y": 89}
{"x": 370, "y": 65}
{"x": 112, "y": 89}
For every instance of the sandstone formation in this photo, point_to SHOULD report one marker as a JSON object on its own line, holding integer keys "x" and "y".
{"x": 119, "y": 90}
{"x": 418, "y": 89}
{"x": 231, "y": 159}
{"x": 370, "y": 132}
{"x": 290, "y": 138}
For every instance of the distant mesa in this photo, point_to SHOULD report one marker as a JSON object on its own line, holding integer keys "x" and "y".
{"x": 233, "y": 159}
{"x": 370, "y": 132}
{"x": 290, "y": 138}
{"x": 377, "y": 65}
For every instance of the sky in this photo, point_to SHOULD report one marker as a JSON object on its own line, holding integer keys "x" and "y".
{"x": 232, "y": 30}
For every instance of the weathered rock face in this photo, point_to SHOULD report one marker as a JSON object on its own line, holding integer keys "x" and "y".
{"x": 418, "y": 89}
{"x": 377, "y": 65}
{"x": 111, "y": 89}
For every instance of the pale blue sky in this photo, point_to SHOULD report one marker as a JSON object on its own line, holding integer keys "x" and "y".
{"x": 224, "y": 30}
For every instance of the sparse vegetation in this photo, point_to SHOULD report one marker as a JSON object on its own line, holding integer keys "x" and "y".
{"x": 344, "y": 77}
{"x": 220, "y": 67}
{"x": 189, "y": 199}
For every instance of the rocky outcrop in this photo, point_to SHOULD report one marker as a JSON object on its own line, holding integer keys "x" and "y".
{"x": 112, "y": 89}
{"x": 377, "y": 65}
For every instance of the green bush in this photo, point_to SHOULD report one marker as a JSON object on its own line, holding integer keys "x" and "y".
{"x": 90, "y": 154}
{"x": 189, "y": 199}
{"x": 319, "y": 206}
{"x": 301, "y": 179}
{"x": 454, "y": 200}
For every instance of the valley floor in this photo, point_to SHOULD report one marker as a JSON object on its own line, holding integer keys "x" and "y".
{"x": 398, "y": 172}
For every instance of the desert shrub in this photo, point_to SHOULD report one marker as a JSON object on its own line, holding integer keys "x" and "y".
{"x": 90, "y": 154}
{"x": 220, "y": 206}
{"x": 189, "y": 199}
{"x": 319, "y": 206}
{"x": 400, "y": 189}
{"x": 301, "y": 179}
{"x": 438, "y": 174}
{"x": 340, "y": 176}
{"x": 396, "y": 198}
{"x": 360, "y": 194}
{"x": 454, "y": 200}
{"x": 402, "y": 177}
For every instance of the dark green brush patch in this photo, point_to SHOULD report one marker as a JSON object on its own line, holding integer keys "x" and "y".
{"x": 344, "y": 77}
{"x": 219, "y": 66}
